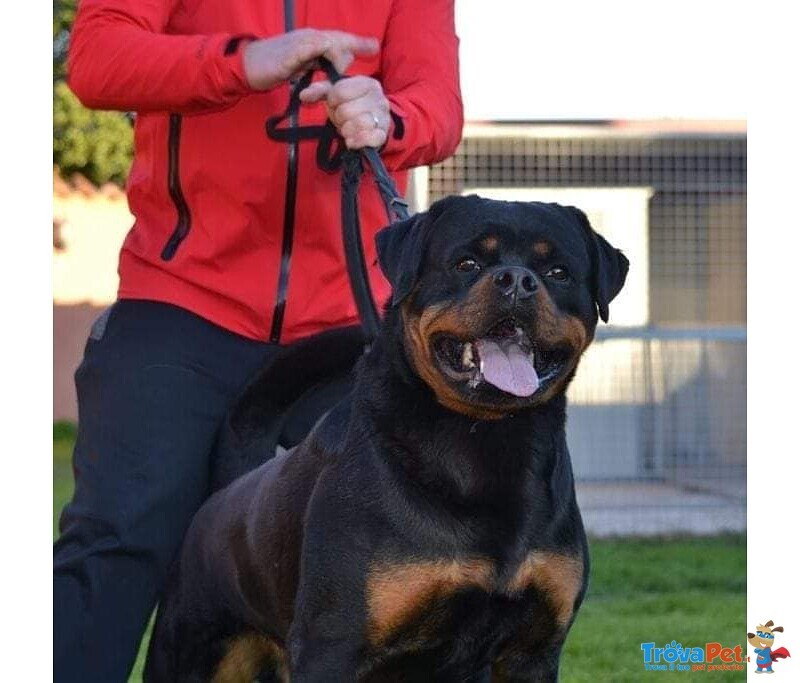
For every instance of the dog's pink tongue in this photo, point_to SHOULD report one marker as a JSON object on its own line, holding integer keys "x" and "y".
{"x": 509, "y": 369}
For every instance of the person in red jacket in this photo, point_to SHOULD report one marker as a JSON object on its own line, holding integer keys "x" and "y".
{"x": 235, "y": 250}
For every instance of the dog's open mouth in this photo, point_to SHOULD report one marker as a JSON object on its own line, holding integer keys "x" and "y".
{"x": 504, "y": 357}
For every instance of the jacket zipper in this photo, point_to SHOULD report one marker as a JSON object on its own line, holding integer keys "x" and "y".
{"x": 288, "y": 209}
{"x": 184, "y": 223}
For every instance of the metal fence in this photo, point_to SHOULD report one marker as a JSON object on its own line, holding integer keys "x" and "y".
{"x": 657, "y": 421}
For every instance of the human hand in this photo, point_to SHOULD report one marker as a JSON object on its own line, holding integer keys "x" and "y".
{"x": 271, "y": 61}
{"x": 358, "y": 108}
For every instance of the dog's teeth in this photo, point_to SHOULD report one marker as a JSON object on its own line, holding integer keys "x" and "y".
{"x": 475, "y": 380}
{"x": 467, "y": 357}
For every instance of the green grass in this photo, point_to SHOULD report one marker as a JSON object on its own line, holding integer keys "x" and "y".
{"x": 692, "y": 590}
{"x": 63, "y": 440}
{"x": 687, "y": 589}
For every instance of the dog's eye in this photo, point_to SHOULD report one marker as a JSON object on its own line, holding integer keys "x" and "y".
{"x": 558, "y": 273}
{"x": 467, "y": 265}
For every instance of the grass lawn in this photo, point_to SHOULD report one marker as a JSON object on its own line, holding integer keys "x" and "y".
{"x": 691, "y": 590}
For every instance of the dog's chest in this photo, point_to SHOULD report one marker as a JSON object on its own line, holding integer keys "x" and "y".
{"x": 466, "y": 608}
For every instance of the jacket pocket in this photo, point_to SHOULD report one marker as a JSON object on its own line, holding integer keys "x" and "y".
{"x": 184, "y": 224}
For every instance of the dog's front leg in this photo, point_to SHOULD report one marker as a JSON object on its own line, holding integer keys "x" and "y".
{"x": 524, "y": 662}
{"x": 324, "y": 640}
{"x": 323, "y": 660}
{"x": 327, "y": 636}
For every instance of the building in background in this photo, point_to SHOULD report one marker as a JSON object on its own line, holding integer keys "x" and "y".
{"x": 89, "y": 225}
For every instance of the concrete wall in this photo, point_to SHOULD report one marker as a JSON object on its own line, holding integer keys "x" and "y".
{"x": 92, "y": 224}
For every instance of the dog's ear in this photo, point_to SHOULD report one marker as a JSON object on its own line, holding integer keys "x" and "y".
{"x": 609, "y": 265}
{"x": 400, "y": 252}
{"x": 401, "y": 247}
{"x": 779, "y": 629}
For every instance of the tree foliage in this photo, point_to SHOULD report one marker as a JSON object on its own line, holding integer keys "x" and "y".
{"x": 63, "y": 16}
{"x": 96, "y": 144}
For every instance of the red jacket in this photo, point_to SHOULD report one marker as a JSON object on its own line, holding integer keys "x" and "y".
{"x": 208, "y": 188}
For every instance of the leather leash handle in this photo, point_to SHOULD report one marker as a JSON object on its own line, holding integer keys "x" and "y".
{"x": 396, "y": 209}
{"x": 396, "y": 206}
{"x": 354, "y": 247}
{"x": 352, "y": 170}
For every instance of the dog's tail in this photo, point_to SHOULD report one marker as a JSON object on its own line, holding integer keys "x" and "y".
{"x": 284, "y": 400}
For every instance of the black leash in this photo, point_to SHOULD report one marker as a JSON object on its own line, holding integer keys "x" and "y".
{"x": 331, "y": 155}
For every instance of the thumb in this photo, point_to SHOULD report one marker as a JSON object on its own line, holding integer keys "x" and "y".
{"x": 316, "y": 92}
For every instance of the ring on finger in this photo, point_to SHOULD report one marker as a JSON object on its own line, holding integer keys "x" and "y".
{"x": 375, "y": 119}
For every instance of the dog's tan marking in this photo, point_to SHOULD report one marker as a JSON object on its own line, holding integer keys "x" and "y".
{"x": 466, "y": 321}
{"x": 555, "y": 327}
{"x": 246, "y": 656}
{"x": 396, "y": 593}
{"x": 542, "y": 248}
{"x": 454, "y": 320}
{"x": 558, "y": 577}
{"x": 490, "y": 243}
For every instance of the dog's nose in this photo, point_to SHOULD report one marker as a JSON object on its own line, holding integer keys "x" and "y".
{"x": 516, "y": 281}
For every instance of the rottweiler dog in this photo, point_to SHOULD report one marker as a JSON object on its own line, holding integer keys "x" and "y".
{"x": 427, "y": 527}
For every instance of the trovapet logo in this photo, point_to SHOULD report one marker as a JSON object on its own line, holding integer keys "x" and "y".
{"x": 674, "y": 657}
{"x": 762, "y": 641}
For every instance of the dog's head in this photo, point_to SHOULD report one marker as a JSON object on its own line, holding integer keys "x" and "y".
{"x": 764, "y": 635}
{"x": 498, "y": 300}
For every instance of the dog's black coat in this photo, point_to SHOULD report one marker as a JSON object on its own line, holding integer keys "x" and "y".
{"x": 424, "y": 530}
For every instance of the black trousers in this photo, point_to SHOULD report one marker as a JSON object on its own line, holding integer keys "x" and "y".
{"x": 154, "y": 386}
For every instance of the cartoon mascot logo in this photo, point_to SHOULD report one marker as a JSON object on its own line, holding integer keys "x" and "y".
{"x": 762, "y": 641}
